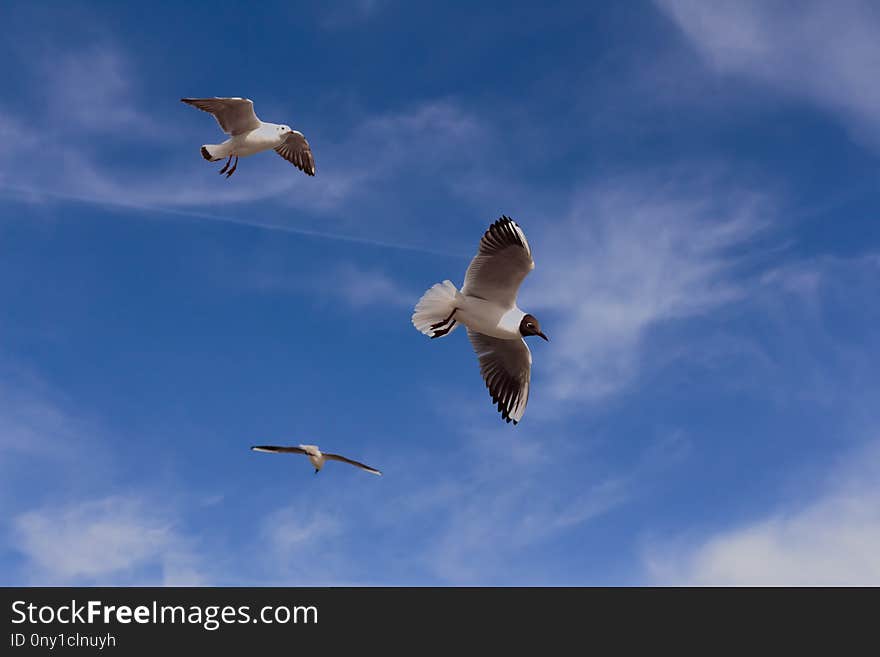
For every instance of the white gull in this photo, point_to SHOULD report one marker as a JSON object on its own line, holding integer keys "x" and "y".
{"x": 486, "y": 305}
{"x": 316, "y": 456}
{"x": 249, "y": 135}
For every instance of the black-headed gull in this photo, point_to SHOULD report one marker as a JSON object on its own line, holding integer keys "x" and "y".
{"x": 249, "y": 135}
{"x": 316, "y": 456}
{"x": 486, "y": 305}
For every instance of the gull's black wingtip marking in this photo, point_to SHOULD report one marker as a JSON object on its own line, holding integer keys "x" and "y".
{"x": 503, "y": 232}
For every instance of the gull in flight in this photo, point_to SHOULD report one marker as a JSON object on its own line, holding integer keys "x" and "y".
{"x": 316, "y": 456}
{"x": 249, "y": 135}
{"x": 486, "y": 305}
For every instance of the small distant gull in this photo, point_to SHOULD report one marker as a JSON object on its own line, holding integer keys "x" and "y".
{"x": 249, "y": 135}
{"x": 486, "y": 305}
{"x": 316, "y": 456}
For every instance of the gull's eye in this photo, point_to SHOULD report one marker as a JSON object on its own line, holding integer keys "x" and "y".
{"x": 530, "y": 325}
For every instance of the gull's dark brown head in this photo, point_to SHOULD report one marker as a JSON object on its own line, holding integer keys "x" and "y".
{"x": 530, "y": 326}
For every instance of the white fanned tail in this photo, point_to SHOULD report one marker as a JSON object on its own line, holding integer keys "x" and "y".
{"x": 214, "y": 152}
{"x": 433, "y": 312}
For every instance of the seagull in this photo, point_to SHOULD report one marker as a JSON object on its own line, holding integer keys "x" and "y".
{"x": 316, "y": 456}
{"x": 249, "y": 135}
{"x": 486, "y": 305}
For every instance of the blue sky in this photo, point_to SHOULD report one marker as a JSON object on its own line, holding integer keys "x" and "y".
{"x": 699, "y": 184}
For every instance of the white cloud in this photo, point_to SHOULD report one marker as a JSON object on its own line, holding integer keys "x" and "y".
{"x": 833, "y": 540}
{"x": 505, "y": 496}
{"x": 29, "y": 424}
{"x": 632, "y": 253}
{"x": 349, "y": 13}
{"x": 93, "y": 103}
{"x": 289, "y": 529}
{"x": 814, "y": 349}
{"x": 464, "y": 515}
{"x": 352, "y": 286}
{"x": 111, "y": 540}
{"x": 93, "y": 90}
{"x": 361, "y": 288}
{"x": 492, "y": 522}
{"x": 52, "y": 457}
{"x": 306, "y": 544}
{"x": 361, "y": 164}
{"x": 38, "y": 425}
{"x": 826, "y": 52}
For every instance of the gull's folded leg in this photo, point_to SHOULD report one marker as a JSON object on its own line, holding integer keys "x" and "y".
{"x": 445, "y": 321}
{"x": 442, "y": 332}
{"x": 234, "y": 166}
{"x": 226, "y": 166}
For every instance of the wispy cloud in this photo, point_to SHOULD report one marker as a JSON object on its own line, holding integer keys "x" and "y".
{"x": 64, "y": 525}
{"x": 632, "y": 253}
{"x": 349, "y": 13}
{"x": 512, "y": 494}
{"x": 342, "y": 283}
{"x": 827, "y": 53}
{"x": 467, "y": 514}
{"x": 38, "y": 425}
{"x": 494, "y": 524}
{"x": 69, "y": 151}
{"x": 32, "y": 424}
{"x": 119, "y": 539}
{"x": 834, "y": 539}
{"x": 93, "y": 90}
{"x": 287, "y": 529}
{"x": 299, "y": 543}
{"x": 813, "y": 356}
{"x": 360, "y": 288}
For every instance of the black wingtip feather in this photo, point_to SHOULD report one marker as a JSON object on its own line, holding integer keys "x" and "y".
{"x": 502, "y": 233}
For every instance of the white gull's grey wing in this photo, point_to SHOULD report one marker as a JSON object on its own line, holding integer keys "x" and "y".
{"x": 278, "y": 450}
{"x": 235, "y": 115}
{"x": 502, "y": 262}
{"x": 506, "y": 366}
{"x": 337, "y": 457}
{"x": 295, "y": 149}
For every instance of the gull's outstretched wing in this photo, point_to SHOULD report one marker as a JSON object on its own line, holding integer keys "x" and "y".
{"x": 502, "y": 262}
{"x": 278, "y": 450}
{"x": 295, "y": 149}
{"x": 337, "y": 457}
{"x": 235, "y": 115}
{"x": 506, "y": 367}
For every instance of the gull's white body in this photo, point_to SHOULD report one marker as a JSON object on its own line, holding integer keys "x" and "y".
{"x": 249, "y": 135}
{"x": 487, "y": 306}
{"x": 314, "y": 455}
{"x": 267, "y": 137}
{"x": 488, "y": 317}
